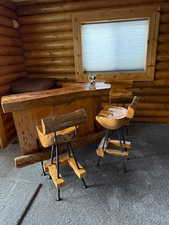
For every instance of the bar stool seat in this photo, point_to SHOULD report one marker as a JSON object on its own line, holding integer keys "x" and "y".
{"x": 63, "y": 136}
{"x": 113, "y": 118}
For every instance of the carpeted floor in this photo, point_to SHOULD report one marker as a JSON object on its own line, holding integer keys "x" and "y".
{"x": 139, "y": 197}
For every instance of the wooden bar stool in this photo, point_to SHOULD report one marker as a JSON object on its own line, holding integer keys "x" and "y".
{"x": 115, "y": 119}
{"x": 54, "y": 131}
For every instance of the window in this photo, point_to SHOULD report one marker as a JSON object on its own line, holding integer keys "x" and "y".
{"x": 101, "y": 41}
{"x": 116, "y": 44}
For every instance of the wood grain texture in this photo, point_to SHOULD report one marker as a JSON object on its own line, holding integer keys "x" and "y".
{"x": 63, "y": 44}
{"x": 7, "y": 41}
{"x": 67, "y": 61}
{"x": 55, "y": 36}
{"x": 51, "y": 21}
{"x": 4, "y": 11}
{"x": 11, "y": 51}
{"x": 29, "y": 108}
{"x": 11, "y": 64}
{"x": 29, "y": 159}
{"x": 9, "y": 4}
{"x": 13, "y": 103}
{"x": 46, "y": 28}
{"x": 8, "y": 31}
{"x": 49, "y": 53}
{"x": 57, "y": 123}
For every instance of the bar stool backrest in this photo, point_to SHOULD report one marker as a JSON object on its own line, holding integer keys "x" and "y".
{"x": 60, "y": 122}
{"x": 132, "y": 107}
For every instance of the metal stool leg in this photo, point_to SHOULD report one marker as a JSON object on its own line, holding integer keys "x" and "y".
{"x": 73, "y": 155}
{"x": 107, "y": 134}
{"x": 43, "y": 171}
{"x": 57, "y": 167}
{"x": 125, "y": 165}
{"x": 52, "y": 154}
{"x": 98, "y": 161}
{"x": 123, "y": 141}
{"x": 84, "y": 183}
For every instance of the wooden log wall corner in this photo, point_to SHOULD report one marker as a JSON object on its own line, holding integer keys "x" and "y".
{"x": 46, "y": 29}
{"x": 11, "y": 63}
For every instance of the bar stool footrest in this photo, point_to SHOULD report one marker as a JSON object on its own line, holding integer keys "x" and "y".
{"x": 116, "y": 143}
{"x": 78, "y": 170}
{"x": 58, "y": 182}
{"x": 62, "y": 160}
{"x": 117, "y": 152}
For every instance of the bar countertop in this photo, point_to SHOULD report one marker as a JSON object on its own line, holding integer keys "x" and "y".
{"x": 17, "y": 102}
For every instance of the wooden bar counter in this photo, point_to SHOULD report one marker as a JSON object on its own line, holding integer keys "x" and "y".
{"x": 28, "y": 108}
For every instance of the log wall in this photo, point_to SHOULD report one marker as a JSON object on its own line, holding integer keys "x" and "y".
{"x": 11, "y": 63}
{"x": 46, "y": 29}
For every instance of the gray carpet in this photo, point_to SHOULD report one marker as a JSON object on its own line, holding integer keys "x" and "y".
{"x": 138, "y": 197}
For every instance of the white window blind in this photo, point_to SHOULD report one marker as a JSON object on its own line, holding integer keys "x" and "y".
{"x": 115, "y": 46}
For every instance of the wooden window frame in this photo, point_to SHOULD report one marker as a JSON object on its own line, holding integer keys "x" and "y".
{"x": 109, "y": 15}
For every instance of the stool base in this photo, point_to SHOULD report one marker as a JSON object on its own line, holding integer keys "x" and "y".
{"x": 58, "y": 180}
{"x": 109, "y": 146}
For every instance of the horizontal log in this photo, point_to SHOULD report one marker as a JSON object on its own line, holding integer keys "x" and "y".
{"x": 153, "y": 106}
{"x": 47, "y": 27}
{"x": 6, "y": 41}
{"x": 163, "y": 48}
{"x": 164, "y": 38}
{"x": 164, "y": 28}
{"x": 49, "y": 45}
{"x": 49, "y": 53}
{"x": 164, "y": 18}
{"x": 115, "y": 94}
{"x": 55, "y": 36}
{"x": 51, "y": 69}
{"x": 4, "y": 90}
{"x": 155, "y": 99}
{"x": 162, "y": 66}
{"x": 7, "y": 31}
{"x": 57, "y": 7}
{"x": 11, "y": 60}
{"x": 47, "y": 18}
{"x": 150, "y": 91}
{"x": 125, "y": 100}
{"x": 8, "y": 78}
{"x": 162, "y": 75}
{"x": 63, "y": 121}
{"x": 68, "y": 61}
{"x": 11, "y": 69}
{"x": 155, "y": 83}
{"x": 5, "y": 21}
{"x": 7, "y": 3}
{"x": 25, "y": 160}
{"x": 58, "y": 76}
{"x": 34, "y": 2}
{"x": 7, "y": 12}
{"x": 121, "y": 84}
{"x": 153, "y": 113}
{"x": 152, "y": 119}
{"x": 71, "y": 6}
{"x": 11, "y": 51}
{"x": 163, "y": 57}
{"x": 164, "y": 7}
{"x": 116, "y": 3}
